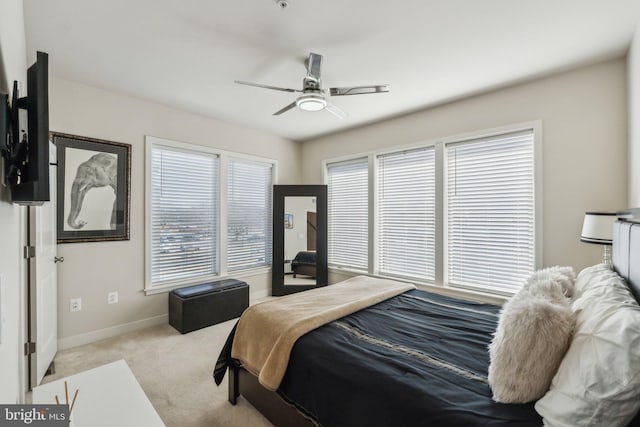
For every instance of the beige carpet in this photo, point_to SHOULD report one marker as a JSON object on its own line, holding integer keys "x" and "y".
{"x": 175, "y": 372}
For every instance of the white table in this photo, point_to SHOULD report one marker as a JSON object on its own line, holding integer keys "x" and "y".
{"x": 109, "y": 396}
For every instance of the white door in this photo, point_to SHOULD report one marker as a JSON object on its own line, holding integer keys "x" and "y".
{"x": 43, "y": 283}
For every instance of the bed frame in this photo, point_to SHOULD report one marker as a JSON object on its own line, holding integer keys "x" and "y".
{"x": 267, "y": 402}
{"x": 626, "y": 253}
{"x": 626, "y": 249}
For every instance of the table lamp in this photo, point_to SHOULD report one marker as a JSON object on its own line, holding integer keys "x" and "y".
{"x": 598, "y": 229}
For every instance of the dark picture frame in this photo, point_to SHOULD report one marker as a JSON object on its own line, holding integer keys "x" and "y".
{"x": 93, "y": 189}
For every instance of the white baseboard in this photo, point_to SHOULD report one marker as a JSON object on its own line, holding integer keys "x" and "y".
{"x": 112, "y": 331}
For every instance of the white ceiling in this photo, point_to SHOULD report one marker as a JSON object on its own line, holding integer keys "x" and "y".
{"x": 187, "y": 53}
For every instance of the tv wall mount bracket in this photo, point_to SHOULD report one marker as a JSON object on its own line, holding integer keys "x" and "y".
{"x": 13, "y": 140}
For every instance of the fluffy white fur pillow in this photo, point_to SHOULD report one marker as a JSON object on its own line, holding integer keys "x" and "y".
{"x": 533, "y": 334}
{"x": 564, "y": 276}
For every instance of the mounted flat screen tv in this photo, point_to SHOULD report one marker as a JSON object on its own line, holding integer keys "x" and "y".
{"x": 26, "y": 154}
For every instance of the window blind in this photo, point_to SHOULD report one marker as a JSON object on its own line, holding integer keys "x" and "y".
{"x": 348, "y": 213}
{"x": 490, "y": 212}
{"x": 184, "y": 214}
{"x": 249, "y": 196}
{"x": 406, "y": 213}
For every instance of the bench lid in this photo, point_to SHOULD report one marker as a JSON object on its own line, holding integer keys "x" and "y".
{"x": 205, "y": 288}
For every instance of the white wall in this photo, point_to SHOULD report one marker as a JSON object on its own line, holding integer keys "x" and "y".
{"x": 91, "y": 270}
{"x": 633, "y": 71}
{"x": 584, "y": 119}
{"x": 12, "y": 67}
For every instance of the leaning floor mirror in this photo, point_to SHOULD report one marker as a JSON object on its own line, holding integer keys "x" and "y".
{"x": 299, "y": 238}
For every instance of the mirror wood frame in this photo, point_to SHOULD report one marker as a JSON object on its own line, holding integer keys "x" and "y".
{"x": 280, "y": 192}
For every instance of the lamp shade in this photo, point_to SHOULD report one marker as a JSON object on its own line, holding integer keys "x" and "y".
{"x": 598, "y": 227}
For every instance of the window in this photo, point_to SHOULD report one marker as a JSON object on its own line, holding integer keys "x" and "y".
{"x": 406, "y": 213}
{"x": 490, "y": 212}
{"x": 459, "y": 212}
{"x": 209, "y": 214}
{"x": 348, "y": 212}
{"x": 249, "y": 228}
{"x": 184, "y": 219}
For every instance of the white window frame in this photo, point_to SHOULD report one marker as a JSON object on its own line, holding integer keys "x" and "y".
{"x": 440, "y": 244}
{"x": 221, "y": 244}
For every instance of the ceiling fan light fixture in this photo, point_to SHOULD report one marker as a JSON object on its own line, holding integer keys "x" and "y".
{"x": 313, "y": 97}
{"x": 311, "y": 102}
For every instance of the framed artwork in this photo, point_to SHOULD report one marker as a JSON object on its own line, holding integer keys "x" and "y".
{"x": 93, "y": 189}
{"x": 288, "y": 220}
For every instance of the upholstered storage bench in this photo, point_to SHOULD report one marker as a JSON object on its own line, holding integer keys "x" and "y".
{"x": 199, "y": 306}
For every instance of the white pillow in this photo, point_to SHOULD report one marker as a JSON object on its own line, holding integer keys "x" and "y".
{"x": 594, "y": 277}
{"x": 598, "y": 381}
{"x": 533, "y": 333}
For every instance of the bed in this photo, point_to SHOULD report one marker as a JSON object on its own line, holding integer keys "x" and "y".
{"x": 416, "y": 358}
{"x": 304, "y": 264}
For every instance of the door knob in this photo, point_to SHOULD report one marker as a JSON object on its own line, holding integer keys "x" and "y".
{"x": 58, "y": 259}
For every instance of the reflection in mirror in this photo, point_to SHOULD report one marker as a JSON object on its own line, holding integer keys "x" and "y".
{"x": 300, "y": 240}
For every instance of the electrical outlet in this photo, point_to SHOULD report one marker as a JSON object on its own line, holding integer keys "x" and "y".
{"x": 75, "y": 304}
{"x": 112, "y": 297}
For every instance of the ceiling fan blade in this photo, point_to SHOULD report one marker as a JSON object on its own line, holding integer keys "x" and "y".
{"x": 358, "y": 90}
{"x": 336, "y": 111}
{"x": 285, "y": 109}
{"x": 283, "y": 89}
{"x": 314, "y": 64}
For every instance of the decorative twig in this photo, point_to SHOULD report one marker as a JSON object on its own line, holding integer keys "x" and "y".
{"x": 73, "y": 402}
{"x": 66, "y": 396}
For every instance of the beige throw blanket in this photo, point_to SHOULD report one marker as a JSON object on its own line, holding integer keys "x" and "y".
{"x": 267, "y": 331}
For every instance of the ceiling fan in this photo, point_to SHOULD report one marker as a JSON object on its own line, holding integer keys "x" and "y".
{"x": 313, "y": 96}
